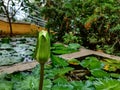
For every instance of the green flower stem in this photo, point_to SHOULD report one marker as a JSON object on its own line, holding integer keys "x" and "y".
{"x": 41, "y": 76}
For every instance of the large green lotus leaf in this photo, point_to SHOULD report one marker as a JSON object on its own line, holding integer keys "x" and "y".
{"x": 23, "y": 46}
{"x": 27, "y": 52}
{"x": 32, "y": 40}
{"x": 16, "y": 54}
{"x": 5, "y": 46}
{"x": 15, "y": 43}
{"x": 23, "y": 51}
{"x": 91, "y": 63}
{"x": 62, "y": 49}
{"x": 7, "y": 60}
{"x": 17, "y": 49}
{"x": 18, "y": 42}
{"x": 99, "y": 73}
{"x": 17, "y": 38}
{"x": 4, "y": 52}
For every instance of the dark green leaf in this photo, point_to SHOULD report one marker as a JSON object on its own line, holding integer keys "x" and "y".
{"x": 99, "y": 73}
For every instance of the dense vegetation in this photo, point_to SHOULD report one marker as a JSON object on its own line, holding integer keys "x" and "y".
{"x": 91, "y": 73}
{"x": 94, "y": 24}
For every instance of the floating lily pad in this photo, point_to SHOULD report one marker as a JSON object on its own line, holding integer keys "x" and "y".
{"x": 5, "y": 46}
{"x": 23, "y": 46}
{"x": 4, "y": 52}
{"x": 27, "y": 52}
{"x": 7, "y": 60}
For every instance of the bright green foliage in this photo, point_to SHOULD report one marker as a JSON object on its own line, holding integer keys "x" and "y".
{"x": 55, "y": 77}
{"x": 56, "y": 73}
{"x": 57, "y": 61}
{"x": 95, "y": 66}
{"x": 74, "y": 46}
{"x": 99, "y": 73}
{"x": 47, "y": 84}
{"x": 61, "y": 80}
{"x": 6, "y": 85}
{"x": 111, "y": 64}
{"x": 62, "y": 84}
{"x": 107, "y": 84}
{"x": 92, "y": 63}
{"x": 62, "y": 49}
{"x": 94, "y": 22}
{"x": 62, "y": 87}
{"x": 62, "y": 71}
{"x": 79, "y": 85}
{"x": 74, "y": 61}
{"x": 71, "y": 38}
{"x": 29, "y": 83}
{"x": 115, "y": 75}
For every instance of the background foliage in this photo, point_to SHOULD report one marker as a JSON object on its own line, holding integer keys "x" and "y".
{"x": 94, "y": 22}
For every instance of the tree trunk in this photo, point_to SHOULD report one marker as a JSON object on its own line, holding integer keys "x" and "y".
{"x": 10, "y": 26}
{"x": 8, "y": 16}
